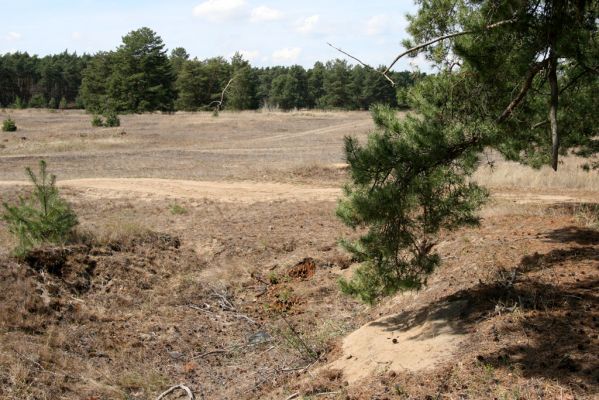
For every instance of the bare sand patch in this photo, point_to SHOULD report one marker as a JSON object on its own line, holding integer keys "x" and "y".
{"x": 399, "y": 342}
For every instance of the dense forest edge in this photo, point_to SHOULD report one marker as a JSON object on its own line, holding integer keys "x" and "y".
{"x": 142, "y": 76}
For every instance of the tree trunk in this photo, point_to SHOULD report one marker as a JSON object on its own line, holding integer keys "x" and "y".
{"x": 553, "y": 108}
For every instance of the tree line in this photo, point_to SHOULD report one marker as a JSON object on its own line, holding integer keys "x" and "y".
{"x": 141, "y": 76}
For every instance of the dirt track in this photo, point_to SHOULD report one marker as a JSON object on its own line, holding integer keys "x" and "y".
{"x": 252, "y": 192}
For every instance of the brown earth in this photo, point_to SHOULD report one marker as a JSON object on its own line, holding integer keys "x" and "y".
{"x": 236, "y": 296}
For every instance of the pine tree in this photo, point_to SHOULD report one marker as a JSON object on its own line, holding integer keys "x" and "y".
{"x": 286, "y": 92}
{"x": 43, "y": 217}
{"x": 241, "y": 94}
{"x": 511, "y": 74}
{"x": 142, "y": 78}
{"x": 94, "y": 86}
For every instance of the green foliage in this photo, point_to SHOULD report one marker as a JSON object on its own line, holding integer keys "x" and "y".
{"x": 137, "y": 77}
{"x": 43, "y": 217}
{"x": 499, "y": 61}
{"x": 112, "y": 120}
{"x": 109, "y": 120}
{"x": 37, "y": 101}
{"x": 177, "y": 209}
{"x": 53, "y": 77}
{"x": 97, "y": 121}
{"x": 241, "y": 94}
{"x": 9, "y": 125}
{"x": 94, "y": 91}
{"x": 284, "y": 92}
{"x": 408, "y": 182}
{"x": 18, "y": 104}
{"x": 500, "y": 80}
{"x": 142, "y": 78}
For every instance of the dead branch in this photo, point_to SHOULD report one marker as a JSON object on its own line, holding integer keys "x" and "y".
{"x": 178, "y": 387}
{"x": 293, "y": 396}
{"x": 539, "y": 124}
{"x": 219, "y": 103}
{"x": 448, "y": 36}
{"x": 311, "y": 353}
{"x": 553, "y": 109}
{"x": 384, "y": 74}
{"x": 227, "y": 305}
{"x": 530, "y": 75}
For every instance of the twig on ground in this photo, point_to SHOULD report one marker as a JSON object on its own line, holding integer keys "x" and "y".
{"x": 206, "y": 354}
{"x": 177, "y": 387}
{"x": 293, "y": 396}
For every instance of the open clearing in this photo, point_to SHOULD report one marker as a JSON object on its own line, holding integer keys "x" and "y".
{"x": 216, "y": 265}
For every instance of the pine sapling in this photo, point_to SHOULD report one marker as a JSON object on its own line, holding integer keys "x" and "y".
{"x": 43, "y": 217}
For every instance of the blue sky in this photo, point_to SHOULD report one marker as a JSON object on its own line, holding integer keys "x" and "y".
{"x": 267, "y": 32}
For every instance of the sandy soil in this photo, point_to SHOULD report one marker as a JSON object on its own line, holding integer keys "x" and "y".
{"x": 393, "y": 343}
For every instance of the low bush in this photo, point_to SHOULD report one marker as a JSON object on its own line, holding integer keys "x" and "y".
{"x": 109, "y": 120}
{"x": 8, "y": 125}
{"x": 112, "y": 120}
{"x": 38, "y": 101}
{"x": 177, "y": 209}
{"x": 97, "y": 121}
{"x": 63, "y": 105}
{"x": 43, "y": 217}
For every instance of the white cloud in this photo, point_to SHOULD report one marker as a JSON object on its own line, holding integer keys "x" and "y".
{"x": 219, "y": 10}
{"x": 264, "y": 13}
{"x": 76, "y": 35}
{"x": 377, "y": 25}
{"x": 249, "y": 55}
{"x": 308, "y": 24}
{"x": 13, "y": 36}
{"x": 286, "y": 55}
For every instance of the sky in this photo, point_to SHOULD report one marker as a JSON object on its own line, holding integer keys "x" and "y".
{"x": 266, "y": 32}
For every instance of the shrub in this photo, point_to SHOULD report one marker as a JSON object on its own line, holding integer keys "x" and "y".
{"x": 43, "y": 217}
{"x": 18, "y": 104}
{"x": 97, "y": 121}
{"x": 37, "y": 101}
{"x": 177, "y": 209}
{"x": 112, "y": 120}
{"x": 63, "y": 105}
{"x": 9, "y": 125}
{"x": 52, "y": 103}
{"x": 109, "y": 120}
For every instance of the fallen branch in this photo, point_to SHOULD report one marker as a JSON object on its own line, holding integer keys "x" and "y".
{"x": 293, "y": 396}
{"x": 178, "y": 387}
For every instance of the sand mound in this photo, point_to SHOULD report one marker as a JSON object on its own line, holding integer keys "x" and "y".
{"x": 400, "y": 342}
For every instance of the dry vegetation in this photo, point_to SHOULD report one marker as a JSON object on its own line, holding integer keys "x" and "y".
{"x": 239, "y": 300}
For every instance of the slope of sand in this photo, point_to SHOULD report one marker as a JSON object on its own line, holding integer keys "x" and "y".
{"x": 401, "y": 342}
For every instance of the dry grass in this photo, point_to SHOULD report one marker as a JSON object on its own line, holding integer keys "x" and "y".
{"x": 570, "y": 175}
